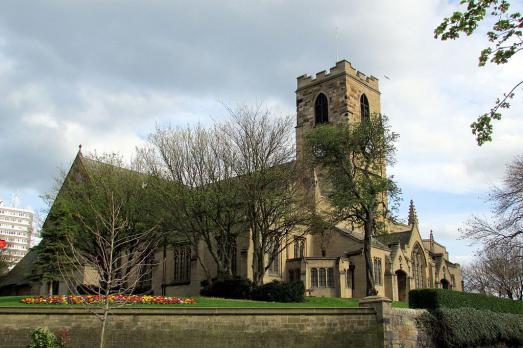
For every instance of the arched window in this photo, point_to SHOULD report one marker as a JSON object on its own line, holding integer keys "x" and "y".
{"x": 321, "y": 109}
{"x": 364, "y": 106}
{"x": 299, "y": 247}
{"x": 418, "y": 267}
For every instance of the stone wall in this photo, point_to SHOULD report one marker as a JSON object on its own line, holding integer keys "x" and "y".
{"x": 199, "y": 327}
{"x": 397, "y": 327}
{"x": 401, "y": 330}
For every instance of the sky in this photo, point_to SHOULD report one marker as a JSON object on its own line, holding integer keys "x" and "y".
{"x": 104, "y": 73}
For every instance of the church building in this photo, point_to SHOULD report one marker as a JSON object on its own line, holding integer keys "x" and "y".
{"x": 330, "y": 264}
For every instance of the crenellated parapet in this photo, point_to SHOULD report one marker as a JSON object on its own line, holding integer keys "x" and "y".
{"x": 342, "y": 67}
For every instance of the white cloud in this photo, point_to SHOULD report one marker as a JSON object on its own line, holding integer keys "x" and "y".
{"x": 103, "y": 74}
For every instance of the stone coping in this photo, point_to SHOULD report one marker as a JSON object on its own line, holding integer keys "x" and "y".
{"x": 194, "y": 311}
{"x": 374, "y": 299}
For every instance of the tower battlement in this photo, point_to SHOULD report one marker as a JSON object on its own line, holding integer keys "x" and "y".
{"x": 342, "y": 67}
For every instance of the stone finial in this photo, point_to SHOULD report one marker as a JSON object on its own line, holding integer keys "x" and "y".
{"x": 431, "y": 241}
{"x": 413, "y": 217}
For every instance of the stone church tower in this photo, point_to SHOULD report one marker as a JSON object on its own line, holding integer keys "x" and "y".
{"x": 341, "y": 95}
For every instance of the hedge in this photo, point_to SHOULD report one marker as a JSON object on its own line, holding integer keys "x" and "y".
{"x": 441, "y": 298}
{"x": 280, "y": 292}
{"x": 245, "y": 289}
{"x": 468, "y": 327}
{"x": 231, "y": 288}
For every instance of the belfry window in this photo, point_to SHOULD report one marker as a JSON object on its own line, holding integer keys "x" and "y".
{"x": 321, "y": 109}
{"x": 364, "y": 106}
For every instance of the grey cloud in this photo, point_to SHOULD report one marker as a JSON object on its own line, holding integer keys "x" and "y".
{"x": 102, "y": 68}
{"x": 99, "y": 66}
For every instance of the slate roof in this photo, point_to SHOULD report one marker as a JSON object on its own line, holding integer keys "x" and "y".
{"x": 24, "y": 267}
{"x": 358, "y": 236}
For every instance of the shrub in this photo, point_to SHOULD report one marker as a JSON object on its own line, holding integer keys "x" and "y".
{"x": 236, "y": 288}
{"x": 43, "y": 338}
{"x": 468, "y": 327}
{"x": 244, "y": 289}
{"x": 280, "y": 292}
{"x": 441, "y": 298}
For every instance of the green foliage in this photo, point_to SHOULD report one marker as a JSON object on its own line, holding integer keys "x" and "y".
{"x": 468, "y": 327}
{"x": 236, "y": 288}
{"x": 442, "y": 298}
{"x": 43, "y": 338}
{"x": 51, "y": 250}
{"x": 505, "y": 33}
{"x": 354, "y": 158}
{"x": 280, "y": 292}
{"x": 506, "y": 38}
{"x": 245, "y": 289}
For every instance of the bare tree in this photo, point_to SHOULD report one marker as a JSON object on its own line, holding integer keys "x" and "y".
{"x": 271, "y": 182}
{"x": 110, "y": 250}
{"x": 505, "y": 227}
{"x": 236, "y": 177}
{"x": 197, "y": 185}
{"x": 497, "y": 271}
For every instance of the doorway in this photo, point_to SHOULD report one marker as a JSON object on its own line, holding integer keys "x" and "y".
{"x": 445, "y": 284}
{"x": 401, "y": 278}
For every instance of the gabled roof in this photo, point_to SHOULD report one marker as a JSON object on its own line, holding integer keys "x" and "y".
{"x": 359, "y": 238}
{"x": 401, "y": 238}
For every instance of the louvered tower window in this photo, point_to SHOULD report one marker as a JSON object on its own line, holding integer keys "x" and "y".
{"x": 321, "y": 109}
{"x": 364, "y": 106}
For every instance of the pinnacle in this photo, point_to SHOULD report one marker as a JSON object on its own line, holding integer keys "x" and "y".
{"x": 413, "y": 217}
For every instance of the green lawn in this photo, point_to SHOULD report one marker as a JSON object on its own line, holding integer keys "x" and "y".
{"x": 209, "y": 302}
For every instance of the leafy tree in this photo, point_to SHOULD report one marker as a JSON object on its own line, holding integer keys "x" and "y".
{"x": 354, "y": 157}
{"x": 55, "y": 229}
{"x": 58, "y": 226}
{"x": 506, "y": 40}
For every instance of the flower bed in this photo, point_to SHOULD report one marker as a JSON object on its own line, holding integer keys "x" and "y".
{"x": 116, "y": 299}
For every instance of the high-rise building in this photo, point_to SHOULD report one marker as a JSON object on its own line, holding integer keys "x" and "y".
{"x": 16, "y": 228}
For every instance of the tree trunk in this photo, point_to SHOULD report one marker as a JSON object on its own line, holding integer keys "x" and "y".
{"x": 258, "y": 259}
{"x": 104, "y": 323}
{"x": 369, "y": 274}
{"x": 258, "y": 265}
